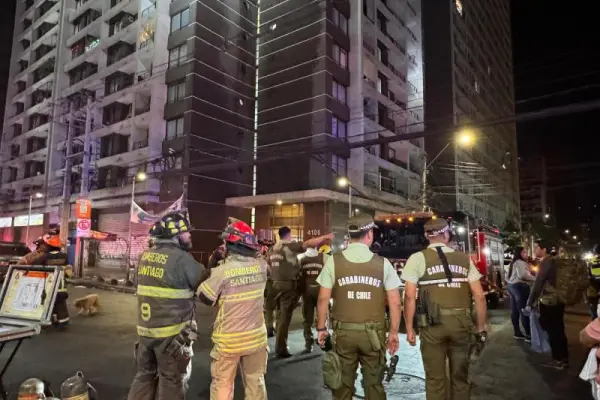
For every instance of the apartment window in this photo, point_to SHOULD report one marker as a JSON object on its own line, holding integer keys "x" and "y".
{"x": 339, "y": 92}
{"x": 178, "y": 56}
{"x": 459, "y": 7}
{"x": 340, "y": 56}
{"x": 340, "y": 20}
{"x": 338, "y": 128}
{"x": 180, "y": 20}
{"x": 176, "y": 92}
{"x": 174, "y": 128}
{"x": 340, "y": 165}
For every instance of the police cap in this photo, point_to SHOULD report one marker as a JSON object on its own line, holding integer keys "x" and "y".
{"x": 360, "y": 224}
{"x": 436, "y": 226}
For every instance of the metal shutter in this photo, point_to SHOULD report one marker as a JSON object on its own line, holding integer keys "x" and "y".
{"x": 114, "y": 254}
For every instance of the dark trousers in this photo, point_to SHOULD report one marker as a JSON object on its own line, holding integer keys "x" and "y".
{"x": 60, "y": 312}
{"x": 552, "y": 321}
{"x": 159, "y": 374}
{"x": 519, "y": 293}
{"x": 593, "y": 305}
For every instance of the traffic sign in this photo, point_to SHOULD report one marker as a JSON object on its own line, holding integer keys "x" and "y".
{"x": 83, "y": 209}
{"x": 84, "y": 226}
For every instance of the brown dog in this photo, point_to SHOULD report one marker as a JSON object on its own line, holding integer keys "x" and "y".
{"x": 89, "y": 303}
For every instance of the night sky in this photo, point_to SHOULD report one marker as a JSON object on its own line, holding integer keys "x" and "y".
{"x": 555, "y": 47}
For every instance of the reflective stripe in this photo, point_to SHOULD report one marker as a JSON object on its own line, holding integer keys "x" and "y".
{"x": 596, "y": 271}
{"x": 438, "y": 281}
{"x": 244, "y": 296}
{"x": 207, "y": 289}
{"x": 164, "y": 293}
{"x": 162, "y": 332}
{"x": 261, "y": 330}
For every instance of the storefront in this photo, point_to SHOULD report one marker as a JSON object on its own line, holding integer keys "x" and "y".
{"x": 22, "y": 228}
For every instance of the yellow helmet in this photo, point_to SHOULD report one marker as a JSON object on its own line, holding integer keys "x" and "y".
{"x": 325, "y": 249}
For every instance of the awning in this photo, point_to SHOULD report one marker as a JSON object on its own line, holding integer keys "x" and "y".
{"x": 103, "y": 236}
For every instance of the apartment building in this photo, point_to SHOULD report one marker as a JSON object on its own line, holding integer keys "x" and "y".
{"x": 95, "y": 68}
{"x": 331, "y": 72}
{"x": 6, "y": 29}
{"x": 469, "y": 79}
{"x": 533, "y": 182}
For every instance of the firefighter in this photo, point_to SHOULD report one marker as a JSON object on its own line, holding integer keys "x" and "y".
{"x": 285, "y": 271}
{"x": 167, "y": 278}
{"x": 359, "y": 282}
{"x": 593, "y": 290}
{"x": 239, "y": 336}
{"x": 48, "y": 252}
{"x": 446, "y": 280}
{"x": 311, "y": 265}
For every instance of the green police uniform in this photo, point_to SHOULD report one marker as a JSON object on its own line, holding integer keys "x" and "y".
{"x": 359, "y": 281}
{"x": 284, "y": 272}
{"x": 167, "y": 278}
{"x": 449, "y": 339}
{"x": 311, "y": 266}
{"x": 593, "y": 290}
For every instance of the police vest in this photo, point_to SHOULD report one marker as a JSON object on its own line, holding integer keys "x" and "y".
{"x": 595, "y": 268}
{"x": 284, "y": 263}
{"x": 447, "y": 295}
{"x": 165, "y": 298}
{"x": 358, "y": 292}
{"x": 311, "y": 268}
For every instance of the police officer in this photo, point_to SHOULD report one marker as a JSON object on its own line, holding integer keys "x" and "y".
{"x": 360, "y": 282}
{"x": 446, "y": 279}
{"x": 167, "y": 279}
{"x": 593, "y": 290}
{"x": 239, "y": 336}
{"x": 285, "y": 271}
{"x": 311, "y": 265}
{"x": 48, "y": 252}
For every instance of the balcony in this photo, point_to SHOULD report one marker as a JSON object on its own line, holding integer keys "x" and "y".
{"x": 82, "y": 6}
{"x": 127, "y": 6}
{"x": 89, "y": 23}
{"x": 49, "y": 12}
{"x": 89, "y": 53}
{"x": 48, "y": 38}
{"x": 125, "y": 31}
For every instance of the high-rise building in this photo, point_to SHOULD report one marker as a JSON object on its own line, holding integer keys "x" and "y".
{"x": 6, "y": 29}
{"x": 535, "y": 202}
{"x": 469, "y": 79}
{"x": 331, "y": 72}
{"x": 94, "y": 66}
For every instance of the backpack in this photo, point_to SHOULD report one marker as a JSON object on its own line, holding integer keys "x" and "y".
{"x": 332, "y": 370}
{"x": 572, "y": 279}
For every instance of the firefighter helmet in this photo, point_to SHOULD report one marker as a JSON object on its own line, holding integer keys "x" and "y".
{"x": 51, "y": 238}
{"x": 171, "y": 225}
{"x": 240, "y": 233}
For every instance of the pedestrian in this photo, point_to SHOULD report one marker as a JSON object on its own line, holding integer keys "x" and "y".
{"x": 167, "y": 278}
{"x": 359, "y": 282}
{"x": 518, "y": 279}
{"x": 239, "y": 336}
{"x": 446, "y": 280}
{"x": 311, "y": 265}
{"x": 593, "y": 291}
{"x": 48, "y": 252}
{"x": 552, "y": 311}
{"x": 285, "y": 272}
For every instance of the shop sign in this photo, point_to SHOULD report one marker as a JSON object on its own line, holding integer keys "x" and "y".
{"x": 5, "y": 222}
{"x": 33, "y": 219}
{"x": 83, "y": 209}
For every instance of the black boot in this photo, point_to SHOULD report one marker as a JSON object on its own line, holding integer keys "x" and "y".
{"x": 308, "y": 347}
{"x": 270, "y": 332}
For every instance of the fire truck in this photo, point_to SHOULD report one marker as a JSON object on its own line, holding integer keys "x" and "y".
{"x": 400, "y": 235}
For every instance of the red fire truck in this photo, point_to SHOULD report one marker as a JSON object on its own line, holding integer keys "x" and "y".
{"x": 400, "y": 235}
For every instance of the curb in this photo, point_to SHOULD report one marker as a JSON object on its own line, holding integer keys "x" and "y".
{"x": 101, "y": 285}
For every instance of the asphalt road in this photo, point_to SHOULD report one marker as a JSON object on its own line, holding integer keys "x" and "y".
{"x": 102, "y": 348}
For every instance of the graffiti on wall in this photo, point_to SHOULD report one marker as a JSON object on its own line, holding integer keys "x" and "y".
{"x": 118, "y": 250}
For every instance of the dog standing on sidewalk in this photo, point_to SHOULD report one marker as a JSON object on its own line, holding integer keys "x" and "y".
{"x": 89, "y": 303}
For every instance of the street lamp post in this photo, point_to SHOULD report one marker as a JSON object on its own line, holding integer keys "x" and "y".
{"x": 140, "y": 176}
{"x": 37, "y": 195}
{"x": 343, "y": 182}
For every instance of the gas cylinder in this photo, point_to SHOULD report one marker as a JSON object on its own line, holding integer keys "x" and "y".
{"x": 31, "y": 389}
{"x": 77, "y": 388}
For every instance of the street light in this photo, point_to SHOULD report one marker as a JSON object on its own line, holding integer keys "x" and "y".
{"x": 37, "y": 195}
{"x": 575, "y": 237}
{"x": 567, "y": 231}
{"x": 343, "y": 182}
{"x": 141, "y": 176}
{"x": 546, "y": 216}
{"x": 464, "y": 138}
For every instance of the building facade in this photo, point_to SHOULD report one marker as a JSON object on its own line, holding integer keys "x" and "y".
{"x": 535, "y": 202}
{"x": 469, "y": 80}
{"x": 332, "y": 72}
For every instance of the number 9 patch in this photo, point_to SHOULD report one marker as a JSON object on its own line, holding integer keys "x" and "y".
{"x": 145, "y": 311}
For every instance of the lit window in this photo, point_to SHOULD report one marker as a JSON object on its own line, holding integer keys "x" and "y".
{"x": 338, "y": 128}
{"x": 340, "y": 20}
{"x": 476, "y": 86}
{"x": 459, "y": 7}
{"x": 339, "y": 92}
{"x": 340, "y": 56}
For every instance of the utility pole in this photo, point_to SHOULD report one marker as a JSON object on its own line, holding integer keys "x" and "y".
{"x": 66, "y": 201}
{"x": 85, "y": 177}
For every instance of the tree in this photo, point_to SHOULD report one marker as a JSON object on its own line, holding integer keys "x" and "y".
{"x": 512, "y": 235}
{"x": 543, "y": 229}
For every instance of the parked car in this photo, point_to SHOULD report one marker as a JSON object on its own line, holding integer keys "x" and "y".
{"x": 10, "y": 254}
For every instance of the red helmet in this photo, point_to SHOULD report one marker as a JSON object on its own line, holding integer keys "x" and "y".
{"x": 240, "y": 233}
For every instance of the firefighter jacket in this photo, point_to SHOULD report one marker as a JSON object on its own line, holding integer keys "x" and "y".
{"x": 167, "y": 279}
{"x": 311, "y": 266}
{"x": 46, "y": 255}
{"x": 236, "y": 288}
{"x": 358, "y": 292}
{"x": 283, "y": 260}
{"x": 455, "y": 295}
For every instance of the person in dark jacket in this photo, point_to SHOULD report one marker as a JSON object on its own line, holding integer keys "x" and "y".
{"x": 48, "y": 252}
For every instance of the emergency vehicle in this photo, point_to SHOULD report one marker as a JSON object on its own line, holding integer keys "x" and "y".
{"x": 399, "y": 235}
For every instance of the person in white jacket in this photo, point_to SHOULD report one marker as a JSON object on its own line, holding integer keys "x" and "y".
{"x": 518, "y": 279}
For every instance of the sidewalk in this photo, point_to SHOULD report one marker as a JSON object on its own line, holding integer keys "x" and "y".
{"x": 103, "y": 278}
